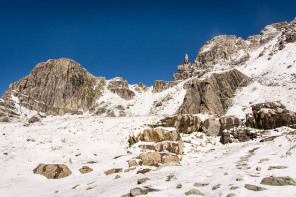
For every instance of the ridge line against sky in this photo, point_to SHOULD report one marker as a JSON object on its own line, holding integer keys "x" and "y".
{"x": 141, "y": 41}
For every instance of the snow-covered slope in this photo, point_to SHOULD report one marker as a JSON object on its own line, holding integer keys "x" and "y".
{"x": 76, "y": 140}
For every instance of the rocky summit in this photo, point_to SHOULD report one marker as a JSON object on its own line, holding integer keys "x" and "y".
{"x": 225, "y": 125}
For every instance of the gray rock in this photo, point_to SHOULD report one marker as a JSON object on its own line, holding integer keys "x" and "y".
{"x": 216, "y": 187}
{"x": 211, "y": 126}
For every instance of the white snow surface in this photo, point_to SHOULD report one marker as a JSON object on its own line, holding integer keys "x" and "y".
{"x": 76, "y": 140}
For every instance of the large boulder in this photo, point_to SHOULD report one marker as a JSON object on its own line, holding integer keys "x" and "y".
{"x": 167, "y": 146}
{"x": 270, "y": 115}
{"x": 53, "y": 171}
{"x": 211, "y": 126}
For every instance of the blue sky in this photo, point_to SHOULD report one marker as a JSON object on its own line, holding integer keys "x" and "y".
{"x": 139, "y": 40}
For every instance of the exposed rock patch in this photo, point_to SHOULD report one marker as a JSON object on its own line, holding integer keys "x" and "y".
{"x": 278, "y": 181}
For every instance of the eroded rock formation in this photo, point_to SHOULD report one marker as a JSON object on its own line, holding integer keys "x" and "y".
{"x": 211, "y": 95}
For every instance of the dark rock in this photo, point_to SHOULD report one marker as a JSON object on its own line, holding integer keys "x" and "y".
{"x": 211, "y": 126}
{"x": 240, "y": 133}
{"x": 34, "y": 119}
{"x": 142, "y": 191}
{"x": 142, "y": 180}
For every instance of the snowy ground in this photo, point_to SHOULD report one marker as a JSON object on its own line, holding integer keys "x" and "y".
{"x": 76, "y": 140}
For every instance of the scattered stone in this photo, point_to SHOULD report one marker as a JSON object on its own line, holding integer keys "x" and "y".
{"x": 234, "y": 187}
{"x": 240, "y": 133}
{"x": 254, "y": 187}
{"x": 53, "y": 171}
{"x": 239, "y": 179}
{"x": 142, "y": 180}
{"x": 144, "y": 171}
{"x": 276, "y": 167}
{"x": 268, "y": 139}
{"x": 115, "y": 170}
{"x": 132, "y": 163}
{"x": 129, "y": 169}
{"x": 117, "y": 177}
{"x": 194, "y": 192}
{"x": 262, "y": 160}
{"x": 200, "y": 184}
{"x": 278, "y": 181}
{"x": 85, "y": 169}
{"x": 170, "y": 177}
{"x": 258, "y": 168}
{"x": 91, "y": 162}
{"x": 142, "y": 191}
{"x": 75, "y": 187}
{"x": 231, "y": 195}
{"x": 179, "y": 186}
{"x": 216, "y": 187}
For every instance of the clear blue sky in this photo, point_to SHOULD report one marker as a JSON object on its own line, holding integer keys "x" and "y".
{"x": 140, "y": 40}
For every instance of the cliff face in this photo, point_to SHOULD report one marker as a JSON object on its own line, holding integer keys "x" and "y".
{"x": 55, "y": 87}
{"x": 212, "y": 94}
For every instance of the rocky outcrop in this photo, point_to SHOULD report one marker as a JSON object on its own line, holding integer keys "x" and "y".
{"x": 241, "y": 134}
{"x": 160, "y": 86}
{"x": 212, "y": 94}
{"x": 184, "y": 123}
{"x": 53, "y": 171}
{"x": 55, "y": 87}
{"x": 270, "y": 115}
{"x": 168, "y": 146}
{"x": 120, "y": 87}
{"x": 155, "y": 135}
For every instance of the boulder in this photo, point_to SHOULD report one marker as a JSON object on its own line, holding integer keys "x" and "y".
{"x": 154, "y": 158}
{"x": 211, "y": 126}
{"x": 242, "y": 134}
{"x": 278, "y": 181}
{"x": 53, "y": 171}
{"x": 169, "y": 146}
{"x": 151, "y": 158}
{"x": 155, "y": 135}
{"x": 270, "y": 115}
{"x": 132, "y": 163}
{"x": 229, "y": 122}
{"x": 184, "y": 123}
